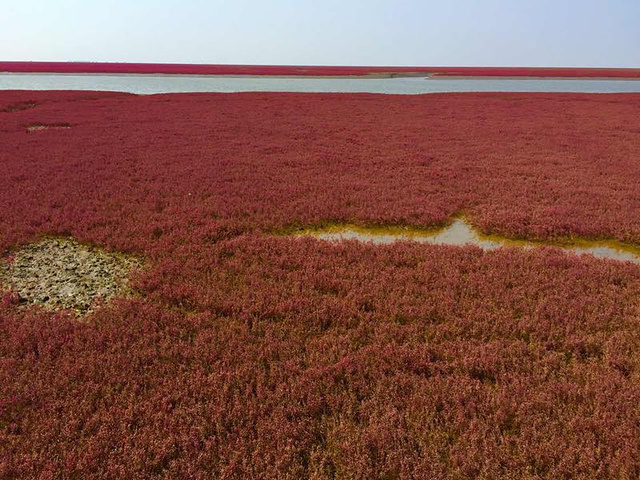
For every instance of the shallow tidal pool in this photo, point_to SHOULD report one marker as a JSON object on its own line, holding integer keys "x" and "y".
{"x": 460, "y": 233}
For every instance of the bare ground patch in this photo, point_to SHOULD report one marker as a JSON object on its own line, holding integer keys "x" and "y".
{"x": 60, "y": 273}
{"x": 16, "y": 107}
{"x": 46, "y": 126}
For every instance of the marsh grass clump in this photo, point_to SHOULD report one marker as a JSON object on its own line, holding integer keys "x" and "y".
{"x": 60, "y": 273}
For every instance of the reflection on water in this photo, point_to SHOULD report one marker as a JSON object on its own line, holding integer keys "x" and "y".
{"x": 148, "y": 84}
{"x": 461, "y": 233}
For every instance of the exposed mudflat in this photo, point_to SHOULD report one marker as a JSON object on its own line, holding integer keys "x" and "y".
{"x": 60, "y": 273}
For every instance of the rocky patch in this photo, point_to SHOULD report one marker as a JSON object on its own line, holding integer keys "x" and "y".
{"x": 60, "y": 273}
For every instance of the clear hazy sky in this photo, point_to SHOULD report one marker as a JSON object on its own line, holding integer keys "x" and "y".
{"x": 591, "y": 33}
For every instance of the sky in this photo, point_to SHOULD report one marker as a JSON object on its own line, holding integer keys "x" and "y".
{"x": 554, "y": 33}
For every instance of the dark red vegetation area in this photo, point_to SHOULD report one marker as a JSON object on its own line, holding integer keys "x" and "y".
{"x": 249, "y": 355}
{"x": 296, "y": 70}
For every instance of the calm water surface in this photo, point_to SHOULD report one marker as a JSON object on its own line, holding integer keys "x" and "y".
{"x": 148, "y": 84}
{"x": 461, "y": 233}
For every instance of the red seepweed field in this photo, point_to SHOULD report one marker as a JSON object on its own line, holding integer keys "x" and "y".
{"x": 248, "y": 353}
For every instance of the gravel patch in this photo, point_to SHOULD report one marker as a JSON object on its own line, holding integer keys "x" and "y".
{"x": 60, "y": 273}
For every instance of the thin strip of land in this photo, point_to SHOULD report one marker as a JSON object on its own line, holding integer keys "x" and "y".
{"x": 311, "y": 71}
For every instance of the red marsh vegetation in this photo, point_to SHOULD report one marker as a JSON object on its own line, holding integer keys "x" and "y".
{"x": 295, "y": 70}
{"x": 245, "y": 354}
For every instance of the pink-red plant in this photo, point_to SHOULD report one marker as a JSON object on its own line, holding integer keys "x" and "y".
{"x": 250, "y": 355}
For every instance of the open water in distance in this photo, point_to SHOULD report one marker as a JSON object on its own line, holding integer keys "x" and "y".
{"x": 149, "y": 84}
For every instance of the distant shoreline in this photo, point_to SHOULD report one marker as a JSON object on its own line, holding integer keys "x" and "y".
{"x": 523, "y": 77}
{"x": 78, "y": 68}
{"x": 373, "y": 76}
